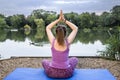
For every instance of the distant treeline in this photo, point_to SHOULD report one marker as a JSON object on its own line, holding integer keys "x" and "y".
{"x": 109, "y": 19}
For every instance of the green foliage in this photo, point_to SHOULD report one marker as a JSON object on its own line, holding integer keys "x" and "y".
{"x": 83, "y": 20}
{"x": 3, "y": 23}
{"x": 86, "y": 30}
{"x": 113, "y": 47}
{"x": 73, "y": 17}
{"x": 50, "y": 18}
{"x": 30, "y": 21}
{"x": 27, "y": 29}
{"x": 118, "y": 28}
{"x": 2, "y": 16}
{"x": 16, "y": 21}
{"x": 40, "y": 13}
{"x": 17, "y": 36}
{"x": 103, "y": 19}
{"x": 40, "y": 28}
{"x": 3, "y": 35}
{"x": 116, "y": 14}
{"x": 47, "y": 16}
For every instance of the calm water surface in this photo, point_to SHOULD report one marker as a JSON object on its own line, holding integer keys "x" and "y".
{"x": 34, "y": 43}
{"x": 10, "y": 48}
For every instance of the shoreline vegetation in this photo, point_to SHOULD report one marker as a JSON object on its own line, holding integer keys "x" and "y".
{"x": 110, "y": 19}
{"x": 8, "y": 65}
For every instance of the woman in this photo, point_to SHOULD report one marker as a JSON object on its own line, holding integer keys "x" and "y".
{"x": 60, "y": 66}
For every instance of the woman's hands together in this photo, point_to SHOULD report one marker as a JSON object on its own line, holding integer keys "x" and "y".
{"x": 61, "y": 17}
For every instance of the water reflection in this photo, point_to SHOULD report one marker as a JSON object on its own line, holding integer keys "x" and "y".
{"x": 84, "y": 35}
{"x": 38, "y": 39}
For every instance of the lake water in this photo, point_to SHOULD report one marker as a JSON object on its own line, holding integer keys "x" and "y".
{"x": 35, "y": 44}
{"x": 11, "y": 48}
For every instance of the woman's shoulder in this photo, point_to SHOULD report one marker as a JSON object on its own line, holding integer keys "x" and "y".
{"x": 67, "y": 42}
{"x": 53, "y": 41}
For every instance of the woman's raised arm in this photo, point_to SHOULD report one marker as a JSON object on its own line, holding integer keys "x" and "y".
{"x": 72, "y": 35}
{"x": 50, "y": 26}
{"x": 74, "y": 28}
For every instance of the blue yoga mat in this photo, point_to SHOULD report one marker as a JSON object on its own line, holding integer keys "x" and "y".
{"x": 79, "y": 74}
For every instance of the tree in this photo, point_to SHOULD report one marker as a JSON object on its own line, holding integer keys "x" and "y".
{"x": 16, "y": 21}
{"x": 41, "y": 14}
{"x": 2, "y": 16}
{"x": 30, "y": 21}
{"x": 50, "y": 18}
{"x": 27, "y": 29}
{"x": 85, "y": 20}
{"x": 3, "y": 23}
{"x": 40, "y": 28}
{"x": 104, "y": 19}
{"x": 17, "y": 35}
{"x": 94, "y": 21}
{"x": 8, "y": 21}
{"x": 116, "y": 15}
{"x": 73, "y": 17}
{"x": 3, "y": 35}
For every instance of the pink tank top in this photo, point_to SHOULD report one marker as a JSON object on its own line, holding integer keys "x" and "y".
{"x": 60, "y": 58}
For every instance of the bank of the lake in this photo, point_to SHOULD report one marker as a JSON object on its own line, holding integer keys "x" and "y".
{"x": 8, "y": 65}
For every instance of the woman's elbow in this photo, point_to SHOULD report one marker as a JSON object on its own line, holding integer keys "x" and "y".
{"x": 76, "y": 28}
{"x": 47, "y": 28}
